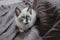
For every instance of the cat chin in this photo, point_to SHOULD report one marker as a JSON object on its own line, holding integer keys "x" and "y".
{"x": 21, "y": 30}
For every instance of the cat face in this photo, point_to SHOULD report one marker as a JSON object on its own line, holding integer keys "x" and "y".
{"x": 25, "y": 18}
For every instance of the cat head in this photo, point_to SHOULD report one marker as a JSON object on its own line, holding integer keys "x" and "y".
{"x": 25, "y": 17}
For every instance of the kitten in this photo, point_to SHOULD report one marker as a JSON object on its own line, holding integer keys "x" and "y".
{"x": 25, "y": 19}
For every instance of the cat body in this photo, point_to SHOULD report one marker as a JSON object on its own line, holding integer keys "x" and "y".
{"x": 25, "y": 19}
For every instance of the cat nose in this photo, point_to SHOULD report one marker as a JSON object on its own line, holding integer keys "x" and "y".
{"x": 26, "y": 23}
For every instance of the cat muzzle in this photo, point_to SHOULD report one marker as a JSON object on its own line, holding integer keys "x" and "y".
{"x": 26, "y": 23}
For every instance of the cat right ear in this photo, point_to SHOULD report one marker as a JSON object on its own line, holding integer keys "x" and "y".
{"x": 17, "y": 11}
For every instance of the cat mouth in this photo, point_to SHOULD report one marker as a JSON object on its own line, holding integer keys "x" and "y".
{"x": 25, "y": 23}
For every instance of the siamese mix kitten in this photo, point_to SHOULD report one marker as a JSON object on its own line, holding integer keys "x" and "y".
{"x": 25, "y": 19}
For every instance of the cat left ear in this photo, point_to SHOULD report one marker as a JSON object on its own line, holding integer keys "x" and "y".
{"x": 29, "y": 10}
{"x": 17, "y": 11}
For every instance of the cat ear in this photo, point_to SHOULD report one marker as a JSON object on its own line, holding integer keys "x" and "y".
{"x": 29, "y": 10}
{"x": 17, "y": 11}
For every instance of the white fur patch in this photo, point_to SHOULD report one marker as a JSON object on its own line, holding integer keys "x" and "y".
{"x": 20, "y": 25}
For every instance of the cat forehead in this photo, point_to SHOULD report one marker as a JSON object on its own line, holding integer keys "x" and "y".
{"x": 24, "y": 11}
{"x": 25, "y": 14}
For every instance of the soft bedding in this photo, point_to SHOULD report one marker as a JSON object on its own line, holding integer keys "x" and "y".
{"x": 8, "y": 28}
{"x": 9, "y": 31}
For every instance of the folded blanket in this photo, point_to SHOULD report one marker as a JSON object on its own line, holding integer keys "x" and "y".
{"x": 48, "y": 13}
